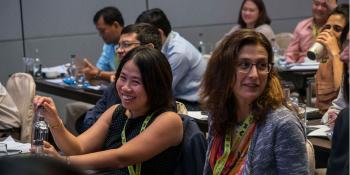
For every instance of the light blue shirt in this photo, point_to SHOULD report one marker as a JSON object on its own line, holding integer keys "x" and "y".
{"x": 106, "y": 61}
{"x": 187, "y": 66}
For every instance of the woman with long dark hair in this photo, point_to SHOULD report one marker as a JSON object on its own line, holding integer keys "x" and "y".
{"x": 139, "y": 136}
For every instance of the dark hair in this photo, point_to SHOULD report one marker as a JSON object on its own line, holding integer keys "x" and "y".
{"x": 35, "y": 165}
{"x": 346, "y": 83}
{"x": 157, "y": 18}
{"x": 263, "y": 17}
{"x": 343, "y": 10}
{"x": 146, "y": 33}
{"x": 110, "y": 15}
{"x": 156, "y": 76}
{"x": 217, "y": 95}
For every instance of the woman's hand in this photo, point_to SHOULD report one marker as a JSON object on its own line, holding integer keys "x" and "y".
{"x": 332, "y": 116}
{"x": 330, "y": 42}
{"x": 50, "y": 112}
{"x": 51, "y": 151}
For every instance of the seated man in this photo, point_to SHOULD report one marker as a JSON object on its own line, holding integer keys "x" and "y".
{"x": 186, "y": 62}
{"x": 9, "y": 116}
{"x": 131, "y": 37}
{"x": 109, "y": 22}
{"x": 307, "y": 30}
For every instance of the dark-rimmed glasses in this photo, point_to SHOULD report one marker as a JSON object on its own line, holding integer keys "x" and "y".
{"x": 125, "y": 44}
{"x": 261, "y": 67}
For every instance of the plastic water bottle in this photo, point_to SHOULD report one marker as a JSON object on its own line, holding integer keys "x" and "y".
{"x": 72, "y": 67}
{"x": 201, "y": 44}
{"x": 40, "y": 132}
{"x": 36, "y": 64}
{"x": 37, "y": 68}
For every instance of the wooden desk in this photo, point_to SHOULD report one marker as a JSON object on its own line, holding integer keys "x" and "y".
{"x": 319, "y": 142}
{"x": 63, "y": 90}
{"x": 322, "y": 147}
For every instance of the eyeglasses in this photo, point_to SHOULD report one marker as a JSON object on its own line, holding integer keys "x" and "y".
{"x": 125, "y": 44}
{"x": 261, "y": 67}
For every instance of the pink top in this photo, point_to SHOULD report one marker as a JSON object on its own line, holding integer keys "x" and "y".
{"x": 302, "y": 40}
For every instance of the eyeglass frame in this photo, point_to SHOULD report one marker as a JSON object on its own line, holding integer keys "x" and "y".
{"x": 125, "y": 45}
{"x": 269, "y": 68}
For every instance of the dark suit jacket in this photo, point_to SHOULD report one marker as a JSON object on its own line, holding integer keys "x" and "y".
{"x": 338, "y": 162}
{"x": 108, "y": 99}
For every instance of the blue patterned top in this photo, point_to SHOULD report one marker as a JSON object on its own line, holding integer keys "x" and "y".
{"x": 278, "y": 146}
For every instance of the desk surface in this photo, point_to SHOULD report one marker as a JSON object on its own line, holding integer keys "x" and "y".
{"x": 66, "y": 91}
{"x": 319, "y": 142}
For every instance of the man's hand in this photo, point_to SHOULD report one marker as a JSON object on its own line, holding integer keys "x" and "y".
{"x": 331, "y": 4}
{"x": 89, "y": 70}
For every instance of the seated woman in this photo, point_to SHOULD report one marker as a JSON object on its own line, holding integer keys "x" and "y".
{"x": 251, "y": 129}
{"x": 140, "y": 134}
{"x": 339, "y": 103}
{"x": 253, "y": 15}
{"x": 329, "y": 75}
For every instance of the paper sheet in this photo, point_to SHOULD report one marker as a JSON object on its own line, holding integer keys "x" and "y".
{"x": 322, "y": 131}
{"x": 311, "y": 109}
{"x": 59, "y": 69}
{"x": 57, "y": 80}
{"x": 197, "y": 115}
{"x": 13, "y": 145}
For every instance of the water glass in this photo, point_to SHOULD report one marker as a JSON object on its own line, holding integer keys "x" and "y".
{"x": 278, "y": 53}
{"x": 28, "y": 65}
{"x": 286, "y": 92}
{"x": 302, "y": 114}
{"x": 3, "y": 149}
{"x": 80, "y": 79}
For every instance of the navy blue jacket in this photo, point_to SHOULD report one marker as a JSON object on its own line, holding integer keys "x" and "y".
{"x": 108, "y": 99}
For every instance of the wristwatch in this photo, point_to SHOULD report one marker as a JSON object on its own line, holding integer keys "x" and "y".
{"x": 97, "y": 76}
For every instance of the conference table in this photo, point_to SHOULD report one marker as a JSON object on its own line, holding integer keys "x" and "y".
{"x": 322, "y": 147}
{"x": 55, "y": 87}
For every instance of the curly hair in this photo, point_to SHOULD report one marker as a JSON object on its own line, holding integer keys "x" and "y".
{"x": 217, "y": 96}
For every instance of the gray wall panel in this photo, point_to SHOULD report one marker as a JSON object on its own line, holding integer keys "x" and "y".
{"x": 197, "y": 12}
{"x": 10, "y": 59}
{"x": 214, "y": 18}
{"x": 57, "y": 50}
{"x": 10, "y": 20}
{"x": 207, "y": 12}
{"x": 212, "y": 34}
{"x": 288, "y": 9}
{"x": 44, "y": 18}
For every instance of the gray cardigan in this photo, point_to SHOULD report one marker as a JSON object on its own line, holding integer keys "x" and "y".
{"x": 277, "y": 147}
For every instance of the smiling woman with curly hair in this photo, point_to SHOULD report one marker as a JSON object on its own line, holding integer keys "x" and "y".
{"x": 251, "y": 129}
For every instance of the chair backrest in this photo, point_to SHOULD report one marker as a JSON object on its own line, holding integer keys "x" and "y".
{"x": 181, "y": 108}
{"x": 283, "y": 39}
{"x": 310, "y": 157}
{"x": 21, "y": 87}
{"x": 193, "y": 149}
